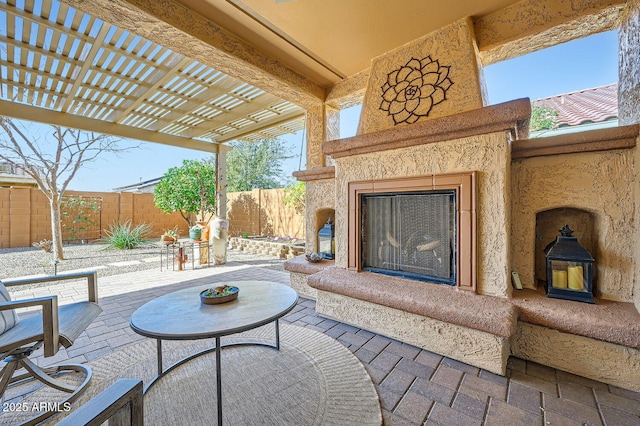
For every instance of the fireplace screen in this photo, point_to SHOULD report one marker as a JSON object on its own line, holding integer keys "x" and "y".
{"x": 410, "y": 235}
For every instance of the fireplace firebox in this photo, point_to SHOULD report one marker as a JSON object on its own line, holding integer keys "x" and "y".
{"x": 421, "y": 228}
{"x": 411, "y": 235}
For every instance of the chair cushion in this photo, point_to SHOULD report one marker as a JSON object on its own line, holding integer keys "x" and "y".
{"x": 8, "y": 318}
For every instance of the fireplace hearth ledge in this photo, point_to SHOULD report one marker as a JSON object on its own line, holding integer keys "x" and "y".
{"x": 493, "y": 315}
{"x": 299, "y": 269}
{"x": 465, "y": 326}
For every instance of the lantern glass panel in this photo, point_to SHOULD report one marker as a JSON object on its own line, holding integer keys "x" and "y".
{"x": 325, "y": 245}
{"x": 569, "y": 275}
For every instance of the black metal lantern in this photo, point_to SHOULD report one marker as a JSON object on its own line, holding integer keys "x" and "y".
{"x": 326, "y": 240}
{"x": 569, "y": 269}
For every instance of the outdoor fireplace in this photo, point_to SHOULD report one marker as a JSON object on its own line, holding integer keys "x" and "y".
{"x": 410, "y": 234}
{"x": 421, "y": 228}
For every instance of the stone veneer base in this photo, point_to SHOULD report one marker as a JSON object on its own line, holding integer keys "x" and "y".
{"x": 269, "y": 248}
{"x": 474, "y": 347}
{"x": 602, "y": 361}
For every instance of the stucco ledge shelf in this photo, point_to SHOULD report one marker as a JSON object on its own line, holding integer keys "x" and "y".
{"x": 512, "y": 117}
{"x": 318, "y": 173}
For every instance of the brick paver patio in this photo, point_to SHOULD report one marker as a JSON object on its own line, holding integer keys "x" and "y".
{"x": 415, "y": 386}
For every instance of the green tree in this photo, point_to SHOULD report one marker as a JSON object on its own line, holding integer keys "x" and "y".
{"x": 295, "y": 196}
{"x": 189, "y": 190}
{"x": 543, "y": 118}
{"x": 257, "y": 164}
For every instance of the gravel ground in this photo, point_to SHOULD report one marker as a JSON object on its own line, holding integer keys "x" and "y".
{"x": 28, "y": 261}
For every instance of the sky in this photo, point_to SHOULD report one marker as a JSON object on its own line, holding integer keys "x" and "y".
{"x": 577, "y": 65}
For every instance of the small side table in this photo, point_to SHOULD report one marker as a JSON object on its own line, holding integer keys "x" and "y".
{"x": 182, "y": 251}
{"x": 204, "y": 252}
{"x": 167, "y": 254}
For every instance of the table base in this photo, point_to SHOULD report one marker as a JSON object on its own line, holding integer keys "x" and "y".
{"x": 218, "y": 350}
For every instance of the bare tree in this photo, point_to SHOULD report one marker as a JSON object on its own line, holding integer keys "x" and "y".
{"x": 54, "y": 163}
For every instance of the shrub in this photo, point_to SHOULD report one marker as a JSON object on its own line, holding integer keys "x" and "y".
{"x": 80, "y": 217}
{"x": 46, "y": 245}
{"x": 295, "y": 195}
{"x": 126, "y": 236}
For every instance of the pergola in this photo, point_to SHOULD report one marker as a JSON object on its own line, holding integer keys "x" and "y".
{"x": 66, "y": 67}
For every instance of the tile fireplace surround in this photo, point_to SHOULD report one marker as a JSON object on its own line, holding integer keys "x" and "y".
{"x": 516, "y": 179}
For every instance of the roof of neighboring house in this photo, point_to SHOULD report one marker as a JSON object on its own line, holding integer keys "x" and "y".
{"x": 584, "y": 106}
{"x": 138, "y": 186}
{"x": 13, "y": 176}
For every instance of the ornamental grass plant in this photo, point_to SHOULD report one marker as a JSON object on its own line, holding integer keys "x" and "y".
{"x": 126, "y": 235}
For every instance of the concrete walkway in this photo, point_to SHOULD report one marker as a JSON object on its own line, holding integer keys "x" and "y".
{"x": 415, "y": 386}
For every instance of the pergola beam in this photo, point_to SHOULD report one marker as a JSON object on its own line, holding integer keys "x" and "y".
{"x": 150, "y": 90}
{"x": 272, "y": 122}
{"x": 29, "y": 113}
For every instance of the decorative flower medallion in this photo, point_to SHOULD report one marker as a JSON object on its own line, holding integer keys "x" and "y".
{"x": 412, "y": 90}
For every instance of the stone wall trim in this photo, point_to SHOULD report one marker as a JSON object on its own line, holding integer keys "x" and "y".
{"x": 473, "y": 347}
{"x": 317, "y": 173}
{"x": 594, "y": 140}
{"x": 512, "y": 117}
{"x": 607, "y": 321}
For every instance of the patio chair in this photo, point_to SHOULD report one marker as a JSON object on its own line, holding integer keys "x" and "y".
{"x": 52, "y": 327}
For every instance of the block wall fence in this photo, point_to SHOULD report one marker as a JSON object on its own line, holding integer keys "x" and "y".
{"x": 25, "y": 216}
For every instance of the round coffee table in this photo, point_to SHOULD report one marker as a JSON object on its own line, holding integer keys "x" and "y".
{"x": 181, "y": 316}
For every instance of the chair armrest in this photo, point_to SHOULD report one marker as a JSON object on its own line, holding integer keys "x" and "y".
{"x": 25, "y": 303}
{"x": 50, "y": 325}
{"x": 91, "y": 276}
{"x": 107, "y": 404}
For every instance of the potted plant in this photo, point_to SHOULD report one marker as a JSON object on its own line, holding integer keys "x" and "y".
{"x": 195, "y": 233}
{"x": 169, "y": 236}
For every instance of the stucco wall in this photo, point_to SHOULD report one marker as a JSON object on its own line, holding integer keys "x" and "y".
{"x": 262, "y": 212}
{"x": 25, "y": 216}
{"x": 629, "y": 66}
{"x": 489, "y": 155}
{"x": 600, "y": 182}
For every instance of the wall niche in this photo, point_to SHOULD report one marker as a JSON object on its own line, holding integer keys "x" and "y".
{"x": 548, "y": 225}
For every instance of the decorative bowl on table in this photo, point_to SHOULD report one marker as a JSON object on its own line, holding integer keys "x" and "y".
{"x": 219, "y": 294}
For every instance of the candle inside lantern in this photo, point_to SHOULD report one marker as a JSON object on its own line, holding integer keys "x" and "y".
{"x": 559, "y": 279}
{"x": 575, "y": 277}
